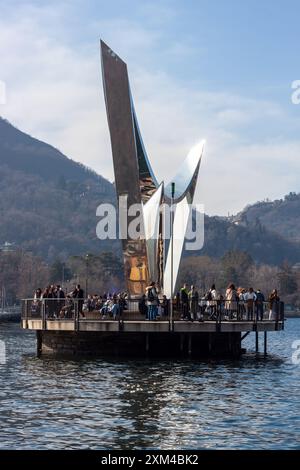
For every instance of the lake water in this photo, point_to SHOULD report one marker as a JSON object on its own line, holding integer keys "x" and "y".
{"x": 252, "y": 403}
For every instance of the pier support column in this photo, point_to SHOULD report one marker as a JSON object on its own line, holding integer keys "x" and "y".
{"x": 256, "y": 342}
{"x": 265, "y": 343}
{"x": 190, "y": 345}
{"x": 209, "y": 342}
{"x": 133, "y": 344}
{"x": 38, "y": 343}
{"x": 181, "y": 342}
{"x": 229, "y": 342}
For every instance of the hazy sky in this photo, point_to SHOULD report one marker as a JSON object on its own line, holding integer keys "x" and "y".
{"x": 219, "y": 70}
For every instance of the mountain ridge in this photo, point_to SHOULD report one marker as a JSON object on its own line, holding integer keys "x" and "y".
{"x": 281, "y": 216}
{"x": 23, "y": 152}
{"x": 53, "y": 213}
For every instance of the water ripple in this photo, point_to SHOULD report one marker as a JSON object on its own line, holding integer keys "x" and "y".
{"x": 107, "y": 404}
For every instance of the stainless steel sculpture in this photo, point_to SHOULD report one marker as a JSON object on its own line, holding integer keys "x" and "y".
{"x": 149, "y": 257}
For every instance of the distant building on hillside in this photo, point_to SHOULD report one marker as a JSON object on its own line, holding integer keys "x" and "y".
{"x": 241, "y": 220}
{"x": 7, "y": 246}
{"x": 296, "y": 267}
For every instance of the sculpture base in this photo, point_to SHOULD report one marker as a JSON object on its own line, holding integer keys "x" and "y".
{"x": 122, "y": 344}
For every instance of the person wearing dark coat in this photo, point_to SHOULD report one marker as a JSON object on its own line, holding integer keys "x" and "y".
{"x": 259, "y": 303}
{"x": 143, "y": 308}
{"x": 184, "y": 302}
{"x": 78, "y": 294}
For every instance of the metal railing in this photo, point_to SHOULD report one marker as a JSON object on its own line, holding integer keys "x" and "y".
{"x": 218, "y": 311}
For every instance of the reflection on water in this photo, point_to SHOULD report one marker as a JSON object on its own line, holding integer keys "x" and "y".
{"x": 106, "y": 404}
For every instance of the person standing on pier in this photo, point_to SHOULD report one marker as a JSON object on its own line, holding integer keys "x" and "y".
{"x": 250, "y": 298}
{"x": 49, "y": 296}
{"x": 152, "y": 296}
{"x": 115, "y": 309}
{"x": 231, "y": 298}
{"x": 193, "y": 302}
{"x": 260, "y": 298}
{"x": 274, "y": 305}
{"x": 211, "y": 298}
{"x": 60, "y": 295}
{"x": 184, "y": 301}
{"x": 78, "y": 294}
{"x": 165, "y": 306}
{"x": 143, "y": 309}
{"x": 241, "y": 303}
{"x": 38, "y": 294}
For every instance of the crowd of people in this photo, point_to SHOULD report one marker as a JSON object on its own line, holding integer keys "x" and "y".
{"x": 108, "y": 305}
{"x": 59, "y": 304}
{"x": 233, "y": 304}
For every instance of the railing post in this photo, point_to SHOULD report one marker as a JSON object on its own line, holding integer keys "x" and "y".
{"x": 190, "y": 344}
{"x": 282, "y": 313}
{"x": 277, "y": 313}
{"x": 172, "y": 319}
{"x": 76, "y": 315}
{"x": 265, "y": 343}
{"x": 44, "y": 324}
{"x": 256, "y": 342}
{"x": 218, "y": 315}
{"x": 120, "y": 321}
{"x": 171, "y": 314}
{"x": 25, "y": 306}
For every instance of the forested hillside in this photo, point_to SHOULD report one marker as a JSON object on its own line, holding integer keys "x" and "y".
{"x": 48, "y": 207}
